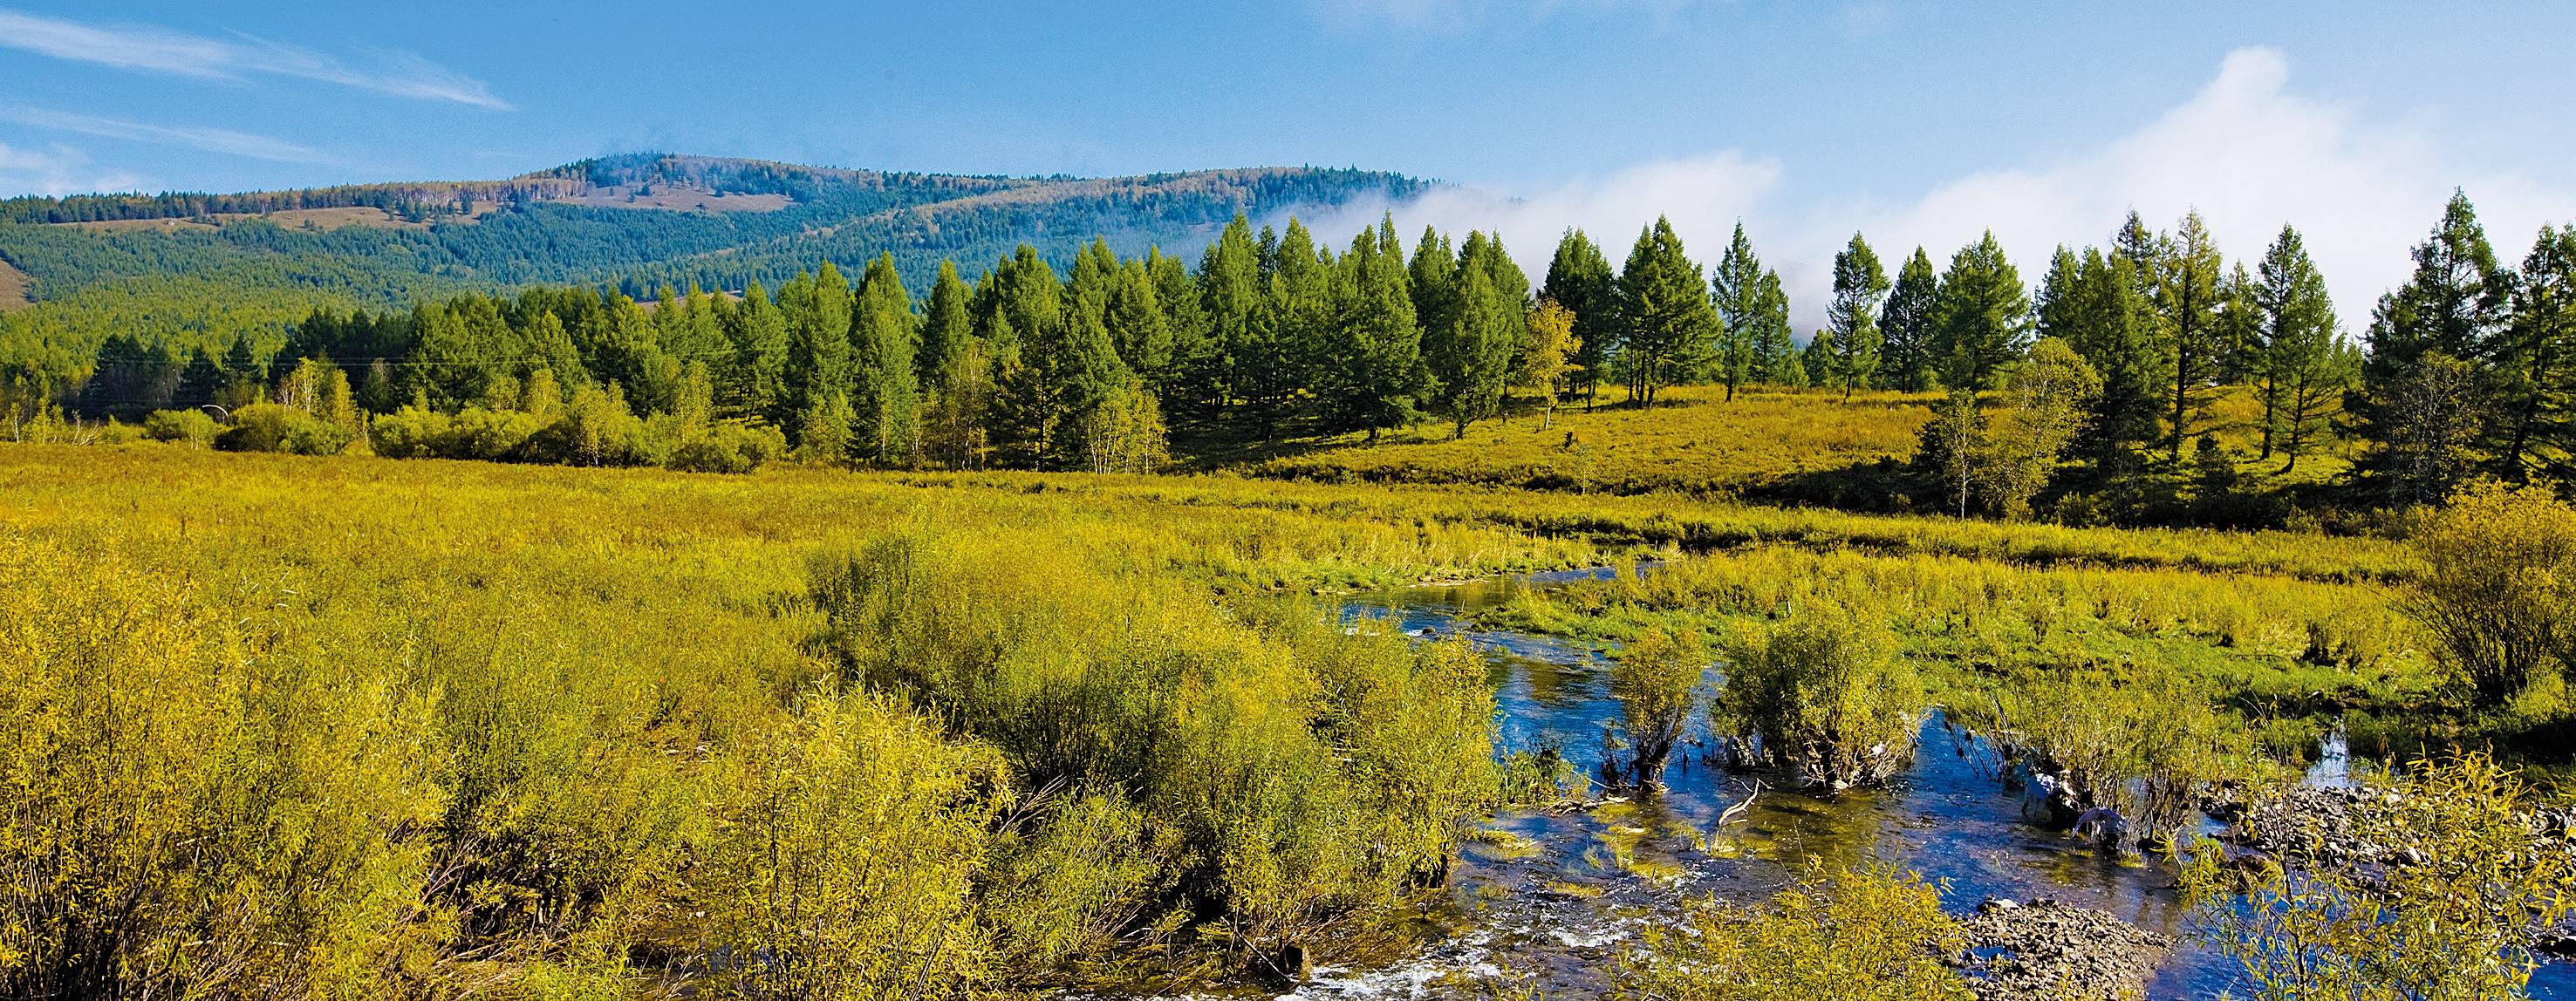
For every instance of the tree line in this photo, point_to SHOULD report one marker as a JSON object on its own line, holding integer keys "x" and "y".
{"x": 2105, "y": 374}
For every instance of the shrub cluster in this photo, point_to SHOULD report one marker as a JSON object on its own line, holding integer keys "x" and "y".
{"x": 1273, "y": 769}
{"x": 1872, "y": 933}
{"x": 1822, "y": 694}
{"x": 398, "y": 731}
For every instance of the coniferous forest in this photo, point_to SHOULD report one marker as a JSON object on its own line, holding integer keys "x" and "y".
{"x": 876, "y": 585}
{"x": 2071, "y": 398}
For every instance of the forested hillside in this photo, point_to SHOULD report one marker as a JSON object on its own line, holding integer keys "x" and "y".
{"x": 199, "y": 269}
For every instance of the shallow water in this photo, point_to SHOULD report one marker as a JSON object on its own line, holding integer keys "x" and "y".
{"x": 1561, "y": 893}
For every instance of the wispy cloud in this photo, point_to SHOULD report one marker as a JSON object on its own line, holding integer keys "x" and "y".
{"x": 60, "y": 170}
{"x": 159, "y": 50}
{"x": 211, "y": 140}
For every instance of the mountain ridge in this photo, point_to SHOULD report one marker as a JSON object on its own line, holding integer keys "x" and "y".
{"x": 197, "y": 269}
{"x": 638, "y": 221}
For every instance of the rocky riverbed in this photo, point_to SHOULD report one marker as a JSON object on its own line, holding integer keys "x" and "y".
{"x": 2047, "y": 951}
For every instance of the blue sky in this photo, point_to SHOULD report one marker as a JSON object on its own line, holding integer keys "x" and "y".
{"x": 1920, "y": 121}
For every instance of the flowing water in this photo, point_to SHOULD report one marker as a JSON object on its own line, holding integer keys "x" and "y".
{"x": 1566, "y": 890}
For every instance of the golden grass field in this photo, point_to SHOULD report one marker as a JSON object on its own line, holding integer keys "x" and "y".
{"x": 1700, "y": 443}
{"x": 424, "y": 728}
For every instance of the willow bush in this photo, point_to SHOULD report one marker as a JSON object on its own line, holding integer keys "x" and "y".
{"x": 1287, "y": 773}
{"x": 1872, "y": 933}
{"x": 2464, "y": 883}
{"x": 846, "y": 855}
{"x": 1656, "y": 680}
{"x": 2138, "y": 739}
{"x": 198, "y": 806}
{"x": 526, "y": 731}
{"x": 1821, "y": 693}
{"x": 2501, "y": 593}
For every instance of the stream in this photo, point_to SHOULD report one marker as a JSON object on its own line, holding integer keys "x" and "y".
{"x": 1562, "y": 910}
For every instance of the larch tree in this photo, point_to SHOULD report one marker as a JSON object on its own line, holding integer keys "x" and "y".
{"x": 2299, "y": 345}
{"x": 2190, "y": 278}
{"x": 1190, "y": 391}
{"x": 1905, "y": 325}
{"x": 1579, "y": 279}
{"x": 817, "y": 308}
{"x": 948, "y": 320}
{"x": 1752, "y": 315}
{"x": 1138, "y": 324}
{"x": 884, "y": 336}
{"x": 751, "y": 384}
{"x": 1851, "y": 336}
{"x": 1381, "y": 380}
{"x": 1547, "y": 365}
{"x": 1981, "y": 318}
{"x": 2423, "y": 402}
{"x": 1472, "y": 356}
{"x": 1275, "y": 363}
{"x": 2535, "y": 359}
{"x": 1671, "y": 325}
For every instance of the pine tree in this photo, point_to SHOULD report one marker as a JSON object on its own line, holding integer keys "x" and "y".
{"x": 1580, "y": 280}
{"x": 1905, "y": 325}
{"x": 1852, "y": 342}
{"x": 1671, "y": 324}
{"x": 1981, "y": 318}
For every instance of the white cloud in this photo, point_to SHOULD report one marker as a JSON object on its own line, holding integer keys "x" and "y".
{"x": 58, "y": 171}
{"x": 2250, "y": 155}
{"x": 160, "y": 50}
{"x": 2245, "y": 151}
{"x": 1703, "y": 197}
{"x": 211, "y": 140}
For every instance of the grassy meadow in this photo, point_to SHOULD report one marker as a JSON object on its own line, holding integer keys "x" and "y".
{"x": 1768, "y": 444}
{"x": 361, "y": 727}
{"x": 1693, "y": 440}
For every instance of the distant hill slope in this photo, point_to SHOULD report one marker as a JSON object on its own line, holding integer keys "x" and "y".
{"x": 640, "y": 221}
{"x": 199, "y": 270}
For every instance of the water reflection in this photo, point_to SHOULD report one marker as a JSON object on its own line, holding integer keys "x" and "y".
{"x": 1552, "y": 892}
